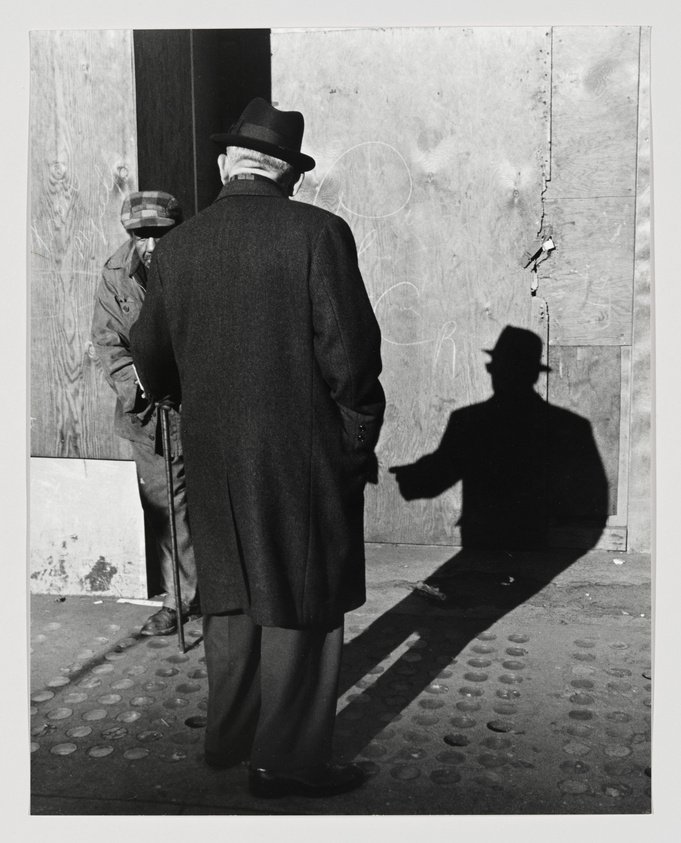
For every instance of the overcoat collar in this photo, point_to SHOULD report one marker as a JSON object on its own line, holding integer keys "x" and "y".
{"x": 250, "y": 187}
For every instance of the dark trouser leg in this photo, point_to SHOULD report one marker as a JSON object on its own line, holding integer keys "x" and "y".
{"x": 299, "y": 673}
{"x": 232, "y": 647}
{"x": 283, "y": 680}
{"x": 154, "y": 496}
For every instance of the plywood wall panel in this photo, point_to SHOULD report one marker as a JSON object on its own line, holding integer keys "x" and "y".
{"x": 594, "y": 111}
{"x": 640, "y": 453}
{"x": 433, "y": 145}
{"x": 588, "y": 280}
{"x": 586, "y": 381}
{"x": 83, "y": 163}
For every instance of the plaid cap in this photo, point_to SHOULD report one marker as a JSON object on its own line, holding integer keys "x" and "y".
{"x": 148, "y": 209}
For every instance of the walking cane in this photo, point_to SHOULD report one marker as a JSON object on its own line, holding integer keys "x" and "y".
{"x": 164, "y": 409}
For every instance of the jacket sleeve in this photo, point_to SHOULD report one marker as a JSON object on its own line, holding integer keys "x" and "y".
{"x": 111, "y": 341}
{"x": 347, "y": 336}
{"x": 152, "y": 348}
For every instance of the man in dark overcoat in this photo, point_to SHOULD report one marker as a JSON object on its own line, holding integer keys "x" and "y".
{"x": 257, "y": 320}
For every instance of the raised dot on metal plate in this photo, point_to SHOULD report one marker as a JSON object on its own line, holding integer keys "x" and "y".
{"x": 52, "y": 626}
{"x": 394, "y": 701}
{"x": 513, "y": 664}
{"x": 468, "y": 705}
{"x": 191, "y": 688}
{"x": 584, "y": 657}
{"x": 576, "y": 748}
{"x": 516, "y": 651}
{"x": 472, "y": 676}
{"x": 394, "y": 686}
{"x": 410, "y": 754}
{"x": 198, "y": 673}
{"x": 196, "y": 722}
{"x": 128, "y": 716}
{"x": 109, "y": 699}
{"x": 59, "y": 713}
{"x": 618, "y": 672}
{"x": 620, "y": 687}
{"x": 79, "y": 732}
{"x": 581, "y": 714}
{"x": 84, "y": 655}
{"x": 39, "y": 639}
{"x": 456, "y": 740}
{"x": 158, "y": 644}
{"x": 479, "y": 662}
{"x": 392, "y": 717}
{"x": 412, "y": 657}
{"x": 418, "y": 644}
{"x": 386, "y": 735}
{"x": 203, "y": 705}
{"x": 585, "y": 643}
{"x": 90, "y": 682}
{"x": 405, "y": 669}
{"x": 178, "y": 658}
{"x": 585, "y": 684}
{"x": 373, "y": 750}
{"x": 176, "y": 702}
{"x": 114, "y": 656}
{"x": 136, "y": 670}
{"x": 33, "y": 710}
{"x": 505, "y": 708}
{"x": 486, "y": 636}
{"x": 95, "y": 714}
{"x": 578, "y": 767}
{"x": 619, "y": 645}
{"x": 414, "y": 736}
{"x": 510, "y": 679}
{"x": 492, "y": 759}
{"x": 63, "y": 749}
{"x": 405, "y": 772}
{"x": 100, "y": 751}
{"x": 619, "y": 768}
{"x": 135, "y": 753}
{"x": 582, "y": 699}
{"x": 103, "y": 668}
{"x": 34, "y": 746}
{"x": 154, "y": 686}
{"x": 519, "y": 638}
{"x": 582, "y": 670}
{"x": 126, "y": 643}
{"x": 501, "y": 725}
{"x": 122, "y": 684}
{"x": 149, "y": 735}
{"x": 462, "y": 722}
{"x": 430, "y": 704}
{"x": 74, "y": 698}
{"x": 377, "y": 668}
{"x": 173, "y": 757}
{"x": 142, "y": 701}
{"x": 616, "y": 789}
{"x": 483, "y": 649}
{"x": 59, "y": 681}
{"x": 471, "y": 691}
{"x": 573, "y": 787}
{"x": 115, "y": 733}
{"x": 579, "y": 731}
{"x": 445, "y": 776}
{"x": 618, "y": 751}
{"x": 508, "y": 694}
{"x": 497, "y": 744}
{"x": 42, "y": 696}
{"x": 618, "y": 716}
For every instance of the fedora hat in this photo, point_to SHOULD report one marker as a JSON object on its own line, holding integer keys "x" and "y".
{"x": 266, "y": 129}
{"x": 520, "y": 348}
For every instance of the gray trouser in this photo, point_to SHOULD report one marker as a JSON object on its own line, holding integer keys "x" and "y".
{"x": 272, "y": 692}
{"x": 151, "y": 476}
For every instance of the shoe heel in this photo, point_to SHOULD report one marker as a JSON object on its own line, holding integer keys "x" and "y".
{"x": 264, "y": 787}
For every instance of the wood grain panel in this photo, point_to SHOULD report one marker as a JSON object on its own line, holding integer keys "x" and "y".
{"x": 640, "y": 454}
{"x": 594, "y": 111}
{"x": 588, "y": 280}
{"x": 82, "y": 164}
{"x": 586, "y": 381}
{"x": 435, "y": 152}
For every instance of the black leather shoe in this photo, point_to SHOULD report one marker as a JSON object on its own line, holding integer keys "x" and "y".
{"x": 163, "y": 622}
{"x": 315, "y": 782}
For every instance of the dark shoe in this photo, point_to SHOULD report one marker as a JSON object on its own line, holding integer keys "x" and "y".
{"x": 163, "y": 622}
{"x": 224, "y": 761}
{"x": 314, "y": 781}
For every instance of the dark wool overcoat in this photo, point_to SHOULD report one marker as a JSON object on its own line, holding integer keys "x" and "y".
{"x": 257, "y": 315}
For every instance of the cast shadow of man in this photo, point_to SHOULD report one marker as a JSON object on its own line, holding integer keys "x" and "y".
{"x": 526, "y": 468}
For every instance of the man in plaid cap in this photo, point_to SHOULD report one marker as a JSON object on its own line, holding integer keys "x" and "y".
{"x": 146, "y": 216}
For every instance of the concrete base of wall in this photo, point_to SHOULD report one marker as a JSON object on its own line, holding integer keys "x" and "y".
{"x": 86, "y": 528}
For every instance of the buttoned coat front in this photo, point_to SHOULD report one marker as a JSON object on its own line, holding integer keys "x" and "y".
{"x": 256, "y": 315}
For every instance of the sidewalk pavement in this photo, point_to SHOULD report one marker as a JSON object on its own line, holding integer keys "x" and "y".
{"x": 473, "y": 683}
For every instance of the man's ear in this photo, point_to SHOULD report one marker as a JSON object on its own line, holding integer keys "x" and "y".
{"x": 223, "y": 168}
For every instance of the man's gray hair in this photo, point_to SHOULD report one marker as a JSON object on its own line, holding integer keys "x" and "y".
{"x": 282, "y": 172}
